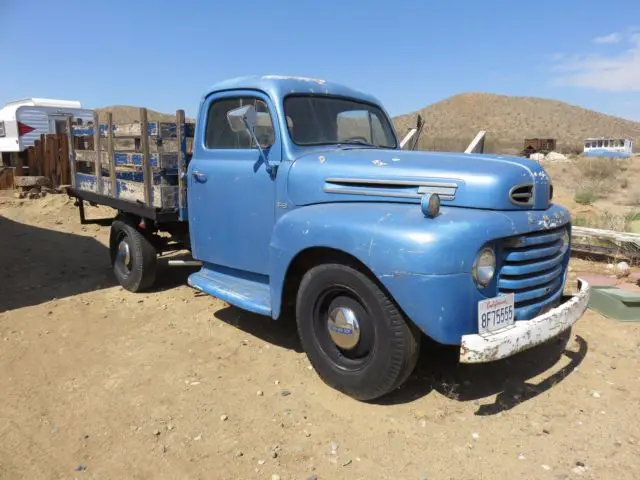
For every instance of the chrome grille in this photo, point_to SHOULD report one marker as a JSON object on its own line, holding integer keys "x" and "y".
{"x": 521, "y": 195}
{"x": 532, "y": 268}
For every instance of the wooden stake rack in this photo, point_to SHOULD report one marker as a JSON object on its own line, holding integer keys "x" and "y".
{"x": 140, "y": 162}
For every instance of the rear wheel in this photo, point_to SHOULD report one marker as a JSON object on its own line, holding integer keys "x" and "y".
{"x": 133, "y": 257}
{"x": 353, "y": 334}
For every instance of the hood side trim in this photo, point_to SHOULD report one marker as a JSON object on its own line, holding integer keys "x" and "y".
{"x": 377, "y": 181}
{"x": 390, "y": 188}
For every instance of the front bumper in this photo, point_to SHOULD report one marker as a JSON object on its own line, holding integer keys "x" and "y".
{"x": 526, "y": 333}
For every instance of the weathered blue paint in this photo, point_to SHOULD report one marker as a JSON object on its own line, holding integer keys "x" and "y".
{"x": 155, "y": 129}
{"x": 413, "y": 256}
{"x": 248, "y": 227}
{"x": 130, "y": 187}
{"x": 166, "y": 178}
{"x": 235, "y": 286}
{"x": 156, "y": 160}
{"x": 480, "y": 181}
{"x": 232, "y": 200}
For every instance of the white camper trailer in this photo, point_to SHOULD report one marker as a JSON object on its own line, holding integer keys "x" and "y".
{"x": 23, "y": 121}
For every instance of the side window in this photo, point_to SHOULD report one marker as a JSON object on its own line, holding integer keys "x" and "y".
{"x": 218, "y": 134}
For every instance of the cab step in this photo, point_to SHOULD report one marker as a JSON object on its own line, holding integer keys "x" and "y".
{"x": 239, "y": 288}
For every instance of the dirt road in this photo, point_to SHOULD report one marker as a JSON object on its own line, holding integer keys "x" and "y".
{"x": 101, "y": 383}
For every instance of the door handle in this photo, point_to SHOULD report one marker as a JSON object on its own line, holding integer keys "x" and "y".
{"x": 199, "y": 176}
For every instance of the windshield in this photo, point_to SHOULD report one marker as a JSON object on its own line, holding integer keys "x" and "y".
{"x": 322, "y": 120}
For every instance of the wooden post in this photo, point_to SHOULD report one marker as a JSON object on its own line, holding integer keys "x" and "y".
{"x": 72, "y": 153}
{"x": 96, "y": 145}
{"x": 49, "y": 160}
{"x": 33, "y": 159}
{"x": 41, "y": 155}
{"x": 182, "y": 147}
{"x": 146, "y": 167}
{"x": 112, "y": 161}
{"x": 63, "y": 159}
{"x": 18, "y": 163}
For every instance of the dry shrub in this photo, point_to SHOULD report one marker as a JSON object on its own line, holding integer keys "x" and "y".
{"x": 585, "y": 195}
{"x": 596, "y": 177}
{"x": 634, "y": 199}
{"x": 599, "y": 168}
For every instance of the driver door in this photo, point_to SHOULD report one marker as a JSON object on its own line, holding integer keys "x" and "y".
{"x": 231, "y": 195}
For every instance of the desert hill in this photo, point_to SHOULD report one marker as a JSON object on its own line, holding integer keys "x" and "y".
{"x": 511, "y": 119}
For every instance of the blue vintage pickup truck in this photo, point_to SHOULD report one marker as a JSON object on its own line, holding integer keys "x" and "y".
{"x": 297, "y": 199}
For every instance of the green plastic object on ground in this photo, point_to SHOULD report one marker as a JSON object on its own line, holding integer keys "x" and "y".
{"x": 612, "y": 302}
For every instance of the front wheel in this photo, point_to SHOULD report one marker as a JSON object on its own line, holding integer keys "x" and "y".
{"x": 354, "y": 336}
{"x": 133, "y": 257}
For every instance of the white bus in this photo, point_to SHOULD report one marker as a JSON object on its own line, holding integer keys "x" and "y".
{"x": 608, "y": 147}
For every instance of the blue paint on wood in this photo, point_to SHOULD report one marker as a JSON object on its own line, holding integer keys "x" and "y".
{"x": 159, "y": 129}
{"x": 157, "y": 179}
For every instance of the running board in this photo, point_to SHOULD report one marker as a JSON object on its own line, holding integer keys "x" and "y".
{"x": 241, "y": 289}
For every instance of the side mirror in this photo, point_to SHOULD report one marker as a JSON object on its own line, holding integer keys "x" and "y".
{"x": 246, "y": 119}
{"x": 243, "y": 118}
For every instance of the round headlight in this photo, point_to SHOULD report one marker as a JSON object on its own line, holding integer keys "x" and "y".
{"x": 484, "y": 268}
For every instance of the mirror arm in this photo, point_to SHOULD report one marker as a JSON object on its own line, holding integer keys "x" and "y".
{"x": 270, "y": 168}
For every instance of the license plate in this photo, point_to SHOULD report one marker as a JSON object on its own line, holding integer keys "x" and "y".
{"x": 495, "y": 313}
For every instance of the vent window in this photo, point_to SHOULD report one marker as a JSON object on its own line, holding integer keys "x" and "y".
{"x": 521, "y": 195}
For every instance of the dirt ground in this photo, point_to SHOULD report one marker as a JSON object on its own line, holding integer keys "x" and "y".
{"x": 101, "y": 383}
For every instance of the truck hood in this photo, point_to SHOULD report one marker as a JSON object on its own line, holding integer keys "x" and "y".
{"x": 463, "y": 180}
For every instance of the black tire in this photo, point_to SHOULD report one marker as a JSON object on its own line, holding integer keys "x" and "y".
{"x": 388, "y": 346}
{"x": 139, "y": 273}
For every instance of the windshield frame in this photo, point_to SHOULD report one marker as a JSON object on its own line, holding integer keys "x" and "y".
{"x": 384, "y": 119}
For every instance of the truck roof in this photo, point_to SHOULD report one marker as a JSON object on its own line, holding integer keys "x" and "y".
{"x": 278, "y": 86}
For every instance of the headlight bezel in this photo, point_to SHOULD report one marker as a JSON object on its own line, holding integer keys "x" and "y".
{"x": 483, "y": 274}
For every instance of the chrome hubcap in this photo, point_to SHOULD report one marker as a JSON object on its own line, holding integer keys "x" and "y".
{"x": 124, "y": 254}
{"x": 344, "y": 328}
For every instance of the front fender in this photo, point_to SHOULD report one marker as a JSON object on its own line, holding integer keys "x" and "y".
{"x": 424, "y": 263}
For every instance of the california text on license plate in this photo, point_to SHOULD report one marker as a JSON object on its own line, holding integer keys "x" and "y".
{"x": 495, "y": 313}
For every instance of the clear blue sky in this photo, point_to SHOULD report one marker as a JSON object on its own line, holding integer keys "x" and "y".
{"x": 408, "y": 53}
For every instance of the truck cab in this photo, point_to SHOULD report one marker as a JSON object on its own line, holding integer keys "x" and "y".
{"x": 301, "y": 203}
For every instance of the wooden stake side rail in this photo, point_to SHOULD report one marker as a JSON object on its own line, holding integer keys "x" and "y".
{"x": 147, "y": 171}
